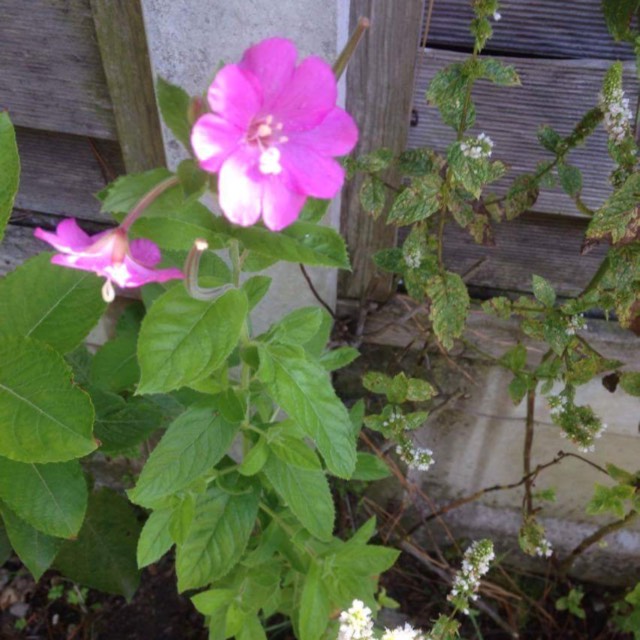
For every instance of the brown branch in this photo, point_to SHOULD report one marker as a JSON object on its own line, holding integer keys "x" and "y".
{"x": 315, "y": 293}
{"x": 595, "y": 537}
{"x": 528, "y": 443}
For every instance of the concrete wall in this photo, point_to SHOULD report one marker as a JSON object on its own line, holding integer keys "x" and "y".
{"x": 188, "y": 39}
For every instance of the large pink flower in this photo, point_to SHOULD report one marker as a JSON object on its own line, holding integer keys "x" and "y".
{"x": 273, "y": 134}
{"x": 109, "y": 254}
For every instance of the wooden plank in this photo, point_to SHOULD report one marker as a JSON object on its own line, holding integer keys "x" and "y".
{"x": 51, "y": 75}
{"x": 61, "y": 173}
{"x": 123, "y": 46}
{"x": 546, "y": 245}
{"x": 553, "y": 92}
{"x": 545, "y": 28}
{"x": 379, "y": 95}
{"x": 18, "y": 245}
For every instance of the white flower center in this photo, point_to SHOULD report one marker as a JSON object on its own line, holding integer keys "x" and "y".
{"x": 270, "y": 161}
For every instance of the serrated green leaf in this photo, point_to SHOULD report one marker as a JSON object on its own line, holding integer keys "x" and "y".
{"x": 193, "y": 179}
{"x": 104, "y": 555}
{"x": 391, "y": 260}
{"x": 53, "y": 304}
{"x": 616, "y": 217}
{"x": 192, "y": 445}
{"x": 255, "y": 459}
{"x": 256, "y": 288}
{"x": 50, "y": 497}
{"x": 43, "y": 416}
{"x": 549, "y": 138}
{"x": 448, "y": 91}
{"x": 183, "y": 339}
{"x": 515, "y": 358}
{"x": 373, "y": 195}
{"x": 449, "y": 306}
{"x": 543, "y": 291}
{"x": 208, "y": 602}
{"x": 115, "y": 366}
{"x": 338, "y": 358}
{"x": 570, "y": 178}
{"x": 182, "y": 517}
{"x": 297, "y": 327}
{"x": 36, "y": 550}
{"x": 315, "y": 604}
{"x": 473, "y": 173}
{"x": 174, "y": 102}
{"x": 303, "y": 389}
{"x": 369, "y": 467}
{"x": 295, "y": 452}
{"x": 610, "y": 499}
{"x": 518, "y": 388}
{"x": 419, "y": 390}
{"x": 377, "y": 160}
{"x": 305, "y": 242}
{"x": 314, "y": 210}
{"x": 417, "y": 202}
{"x": 306, "y": 492}
{"x": 9, "y": 170}
{"x": 217, "y": 538}
{"x": 497, "y": 72}
{"x": 620, "y": 475}
{"x": 155, "y": 539}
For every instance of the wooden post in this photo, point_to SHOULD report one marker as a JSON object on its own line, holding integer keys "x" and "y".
{"x": 380, "y": 81}
{"x": 123, "y": 47}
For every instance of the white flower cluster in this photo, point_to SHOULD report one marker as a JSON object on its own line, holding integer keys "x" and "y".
{"x": 543, "y": 548}
{"x": 394, "y": 420}
{"x": 476, "y": 148}
{"x": 419, "y": 458}
{"x": 403, "y": 633}
{"x": 413, "y": 259}
{"x": 356, "y": 623}
{"x": 475, "y": 564}
{"x": 579, "y": 424}
{"x": 575, "y": 324}
{"x": 616, "y": 114}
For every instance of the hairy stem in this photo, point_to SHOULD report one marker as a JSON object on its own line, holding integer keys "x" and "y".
{"x": 147, "y": 199}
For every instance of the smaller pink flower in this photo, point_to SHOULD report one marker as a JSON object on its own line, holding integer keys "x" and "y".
{"x": 273, "y": 134}
{"x": 109, "y": 254}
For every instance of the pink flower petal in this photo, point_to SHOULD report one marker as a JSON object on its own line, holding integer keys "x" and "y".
{"x": 145, "y": 252}
{"x": 336, "y": 135}
{"x": 309, "y": 172}
{"x": 67, "y": 237}
{"x": 308, "y": 98}
{"x": 280, "y": 206}
{"x": 272, "y": 62}
{"x": 213, "y": 138}
{"x": 240, "y": 187}
{"x": 138, "y": 274}
{"x": 235, "y": 95}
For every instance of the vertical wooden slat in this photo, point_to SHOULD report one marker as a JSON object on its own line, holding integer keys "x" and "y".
{"x": 125, "y": 57}
{"x": 379, "y": 96}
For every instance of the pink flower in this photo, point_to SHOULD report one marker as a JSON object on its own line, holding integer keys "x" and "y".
{"x": 109, "y": 254}
{"x": 273, "y": 134}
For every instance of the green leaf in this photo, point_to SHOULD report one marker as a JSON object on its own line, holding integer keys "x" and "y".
{"x": 473, "y": 173}
{"x": 369, "y": 467}
{"x": 192, "y": 445}
{"x": 255, "y": 459}
{"x": 50, "y": 497}
{"x": 123, "y": 424}
{"x": 518, "y": 388}
{"x": 295, "y": 452}
{"x": 35, "y": 549}
{"x": 610, "y": 499}
{"x": 543, "y": 291}
{"x": 338, "y": 358}
{"x": 104, "y": 555}
{"x": 449, "y": 306}
{"x": 549, "y": 138}
{"x": 570, "y": 178}
{"x": 306, "y": 492}
{"x": 53, "y": 304}
{"x": 304, "y": 390}
{"x": 618, "y": 15}
{"x": 373, "y": 195}
{"x": 305, "y": 242}
{"x": 182, "y": 339}
{"x": 417, "y": 202}
{"x": 448, "y": 91}
{"x": 155, "y": 539}
{"x": 124, "y": 193}
{"x": 314, "y": 210}
{"x": 208, "y": 602}
{"x": 497, "y": 72}
{"x": 515, "y": 358}
{"x": 620, "y": 475}
{"x": 618, "y": 215}
{"x": 315, "y": 604}
{"x": 419, "y": 390}
{"x": 390, "y": 260}
{"x": 182, "y": 517}
{"x": 193, "y": 179}
{"x": 174, "y": 103}
{"x": 9, "y": 170}
{"x": 256, "y": 288}
{"x": 115, "y": 365}
{"x": 218, "y": 537}
{"x": 297, "y": 327}
{"x": 377, "y": 160}
{"x": 630, "y": 382}
{"x": 43, "y": 416}
{"x": 418, "y": 162}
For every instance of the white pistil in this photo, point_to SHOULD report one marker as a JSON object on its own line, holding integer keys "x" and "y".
{"x": 108, "y": 292}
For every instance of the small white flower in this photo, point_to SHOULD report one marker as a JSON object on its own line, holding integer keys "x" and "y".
{"x": 402, "y": 633}
{"x": 356, "y": 623}
{"x": 617, "y": 115}
{"x": 497, "y": 17}
{"x": 476, "y": 148}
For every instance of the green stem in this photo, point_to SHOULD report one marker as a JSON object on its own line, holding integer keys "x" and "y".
{"x": 349, "y": 49}
{"x": 146, "y": 200}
